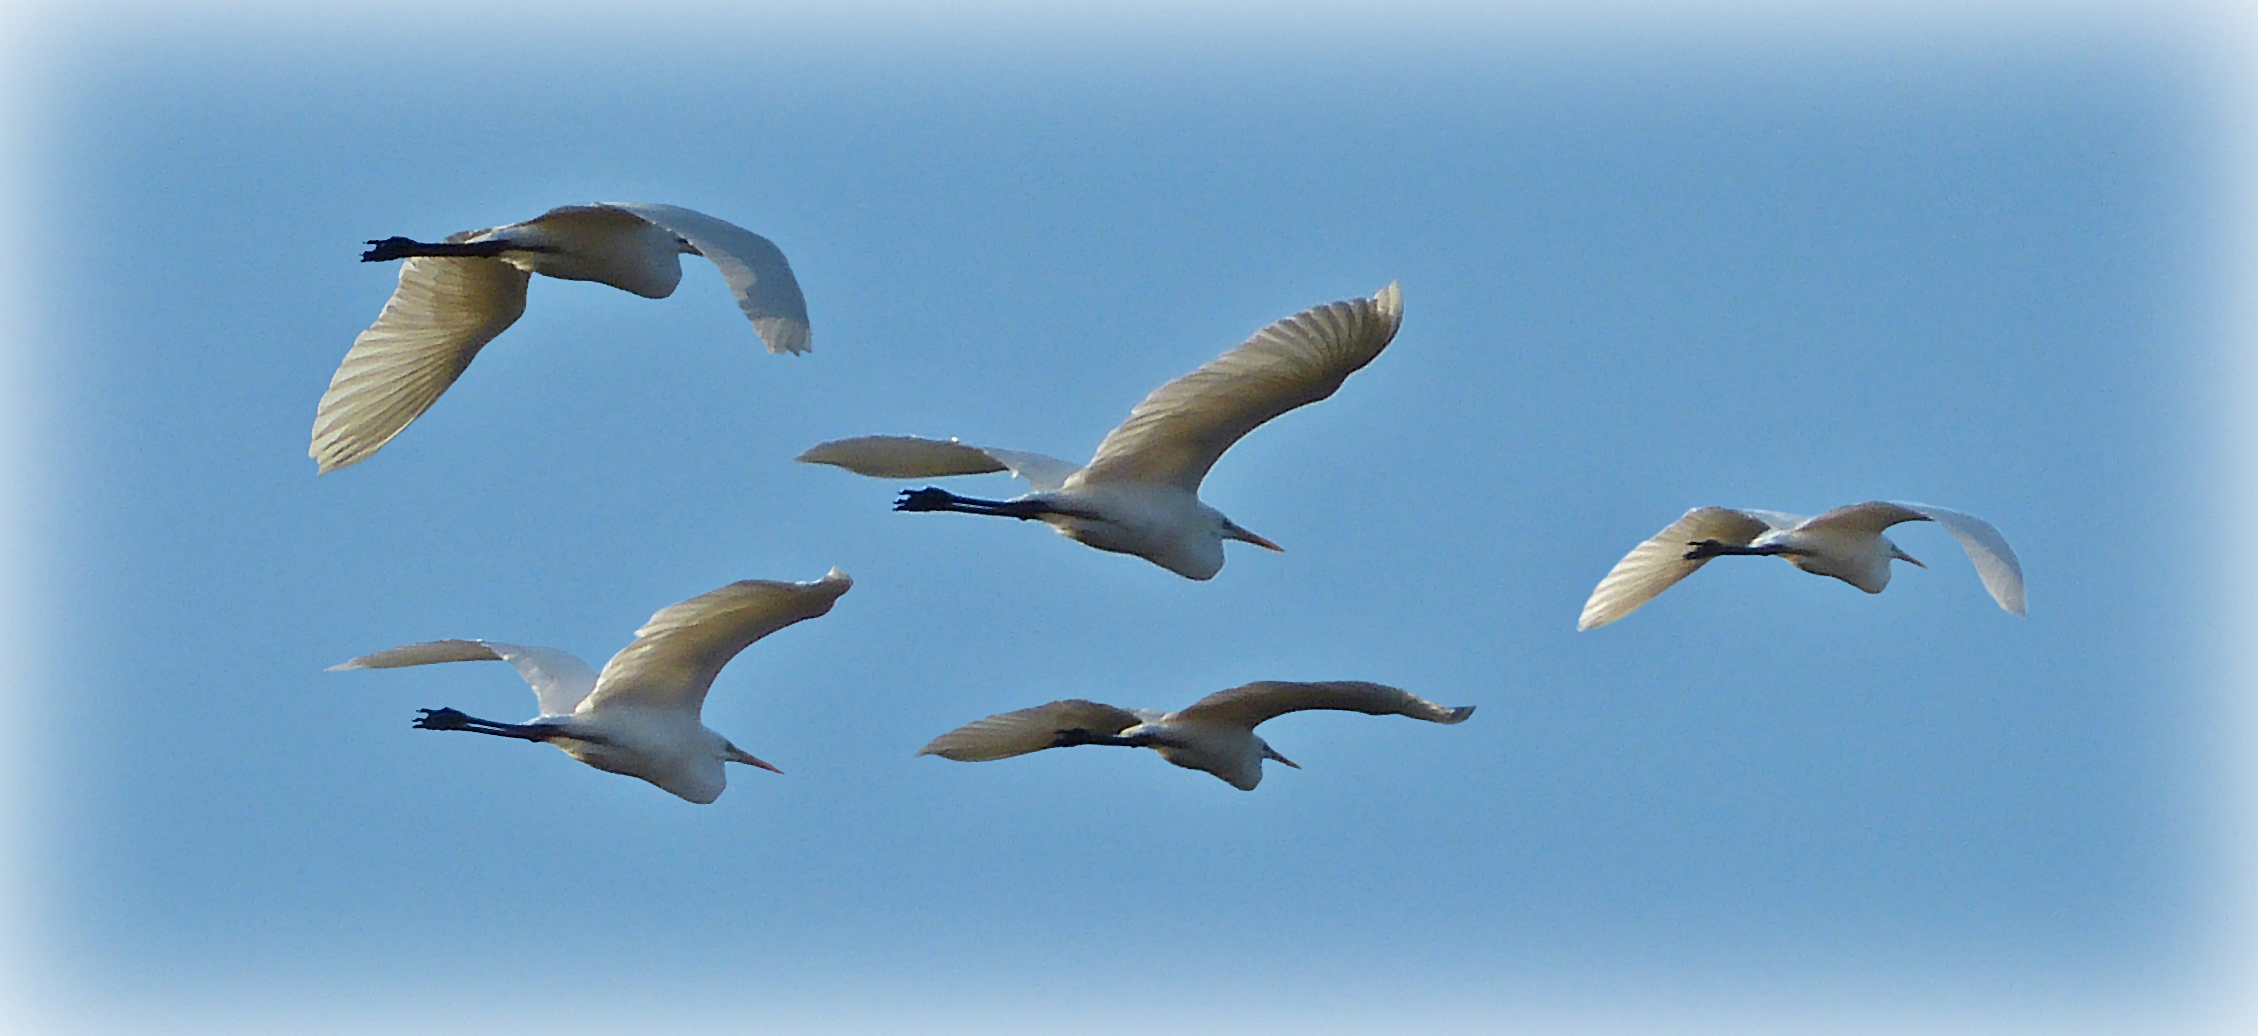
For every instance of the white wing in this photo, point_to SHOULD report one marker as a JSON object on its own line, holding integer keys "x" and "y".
{"x": 1995, "y": 560}
{"x": 754, "y": 267}
{"x": 1657, "y": 564}
{"x": 558, "y": 678}
{"x": 907, "y": 456}
{"x": 1177, "y": 433}
{"x": 677, "y": 654}
{"x": 1007, "y": 734}
{"x": 1251, "y": 704}
{"x": 443, "y": 312}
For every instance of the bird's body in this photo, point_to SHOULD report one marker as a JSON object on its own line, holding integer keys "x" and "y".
{"x": 1214, "y": 735}
{"x": 641, "y": 715}
{"x": 1140, "y": 492}
{"x": 456, "y": 295}
{"x": 1846, "y": 543}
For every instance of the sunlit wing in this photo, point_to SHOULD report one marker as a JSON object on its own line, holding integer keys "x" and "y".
{"x": 1007, "y": 734}
{"x": 754, "y": 267}
{"x": 1868, "y": 518}
{"x": 677, "y": 654}
{"x": 1657, "y": 564}
{"x": 907, "y": 456}
{"x": 1995, "y": 561}
{"x": 1177, "y": 433}
{"x": 558, "y": 678}
{"x": 444, "y": 311}
{"x": 1251, "y": 704}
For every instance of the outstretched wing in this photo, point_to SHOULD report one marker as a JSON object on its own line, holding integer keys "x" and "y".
{"x": 558, "y": 678}
{"x": 1007, "y": 734}
{"x": 907, "y": 456}
{"x": 1251, "y": 704}
{"x": 677, "y": 654}
{"x": 443, "y": 312}
{"x": 1657, "y": 564}
{"x": 1177, "y": 433}
{"x": 1995, "y": 561}
{"x": 754, "y": 267}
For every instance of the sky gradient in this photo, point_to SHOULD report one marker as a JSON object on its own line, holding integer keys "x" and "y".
{"x": 1969, "y": 263}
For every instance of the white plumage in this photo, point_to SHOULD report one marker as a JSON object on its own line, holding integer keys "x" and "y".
{"x": 1214, "y": 734}
{"x": 455, "y": 296}
{"x": 1140, "y": 492}
{"x": 1846, "y": 543}
{"x": 641, "y": 715}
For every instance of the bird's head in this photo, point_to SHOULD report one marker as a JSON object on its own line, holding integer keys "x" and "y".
{"x": 1903, "y": 556}
{"x": 1272, "y": 754}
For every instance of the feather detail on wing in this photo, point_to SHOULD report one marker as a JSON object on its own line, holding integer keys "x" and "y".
{"x": 907, "y": 456}
{"x": 1657, "y": 564}
{"x": 444, "y": 311}
{"x": 1181, "y": 428}
{"x": 755, "y": 268}
{"x": 1995, "y": 561}
{"x": 1007, "y": 734}
{"x": 677, "y": 654}
{"x": 1251, "y": 704}
{"x": 558, "y": 678}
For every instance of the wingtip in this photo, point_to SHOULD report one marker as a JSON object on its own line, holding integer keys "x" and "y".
{"x": 342, "y": 666}
{"x": 1389, "y": 300}
{"x": 1459, "y": 714}
{"x": 839, "y": 576}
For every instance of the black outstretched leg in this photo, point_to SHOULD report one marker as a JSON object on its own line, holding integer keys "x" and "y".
{"x": 1713, "y": 549}
{"x": 1078, "y": 736}
{"x": 401, "y": 248}
{"x": 453, "y": 719}
{"x": 930, "y": 499}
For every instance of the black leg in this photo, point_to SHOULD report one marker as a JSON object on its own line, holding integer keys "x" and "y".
{"x": 453, "y": 719}
{"x": 930, "y": 499}
{"x": 1714, "y": 549}
{"x": 1078, "y": 736}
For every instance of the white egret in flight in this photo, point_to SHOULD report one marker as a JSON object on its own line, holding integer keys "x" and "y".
{"x": 456, "y": 295}
{"x": 1140, "y": 493}
{"x": 640, "y": 716}
{"x": 1215, "y": 733}
{"x": 1846, "y": 543}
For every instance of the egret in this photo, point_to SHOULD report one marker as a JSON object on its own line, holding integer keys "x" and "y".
{"x": 1846, "y": 543}
{"x": 1215, "y": 733}
{"x": 456, "y": 295}
{"x": 1140, "y": 493}
{"x": 640, "y": 716}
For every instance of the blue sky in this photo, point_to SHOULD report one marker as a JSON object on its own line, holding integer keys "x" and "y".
{"x": 1965, "y": 263}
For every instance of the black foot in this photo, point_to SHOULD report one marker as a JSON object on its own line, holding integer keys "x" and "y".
{"x": 1703, "y": 549}
{"x": 927, "y": 499}
{"x": 389, "y": 249}
{"x": 441, "y": 719}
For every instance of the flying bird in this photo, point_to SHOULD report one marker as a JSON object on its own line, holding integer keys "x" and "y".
{"x": 1215, "y": 733}
{"x": 640, "y": 716}
{"x": 456, "y": 295}
{"x": 1846, "y": 543}
{"x": 1140, "y": 493}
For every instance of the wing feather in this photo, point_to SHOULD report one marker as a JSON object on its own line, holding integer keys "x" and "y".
{"x": 1007, "y": 734}
{"x": 1179, "y": 431}
{"x": 676, "y": 655}
{"x": 558, "y": 678}
{"x": 907, "y": 456}
{"x": 1658, "y": 564}
{"x": 1251, "y": 704}
{"x": 444, "y": 311}
{"x": 1996, "y": 563}
{"x": 754, "y": 267}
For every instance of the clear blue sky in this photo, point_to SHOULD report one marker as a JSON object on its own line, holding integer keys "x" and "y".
{"x": 1643, "y": 270}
